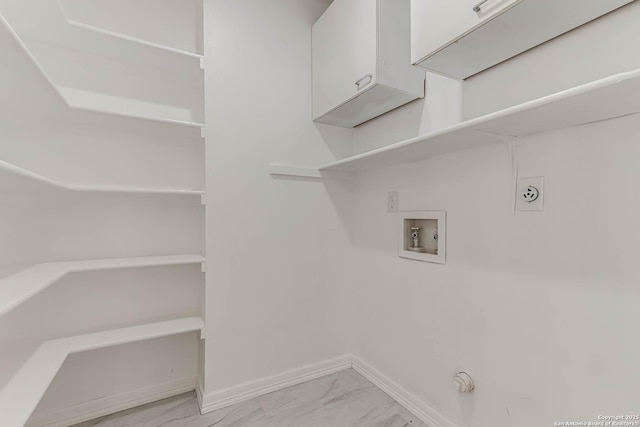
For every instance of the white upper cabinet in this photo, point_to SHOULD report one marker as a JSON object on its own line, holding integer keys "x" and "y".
{"x": 361, "y": 61}
{"x": 464, "y": 37}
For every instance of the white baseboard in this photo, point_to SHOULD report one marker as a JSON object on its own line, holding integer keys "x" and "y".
{"x": 200, "y": 395}
{"x": 421, "y": 410}
{"x": 249, "y": 390}
{"x": 111, "y": 404}
{"x": 232, "y": 395}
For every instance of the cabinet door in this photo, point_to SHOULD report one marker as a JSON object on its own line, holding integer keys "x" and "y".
{"x": 344, "y": 46}
{"x": 437, "y": 23}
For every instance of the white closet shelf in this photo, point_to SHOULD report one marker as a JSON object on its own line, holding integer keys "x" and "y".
{"x": 20, "y": 396}
{"x": 603, "y": 99}
{"x": 32, "y": 176}
{"x": 18, "y": 288}
{"x": 192, "y": 60}
{"x": 46, "y": 20}
{"x": 31, "y": 82}
{"x": 79, "y": 99}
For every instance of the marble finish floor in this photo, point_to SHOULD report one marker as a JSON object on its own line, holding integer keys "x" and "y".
{"x": 344, "y": 399}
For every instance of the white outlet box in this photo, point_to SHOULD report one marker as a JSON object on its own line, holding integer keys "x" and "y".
{"x": 392, "y": 201}
{"x": 530, "y": 196}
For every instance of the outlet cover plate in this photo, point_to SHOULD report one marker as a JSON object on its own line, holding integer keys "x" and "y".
{"x": 535, "y": 205}
{"x": 392, "y": 201}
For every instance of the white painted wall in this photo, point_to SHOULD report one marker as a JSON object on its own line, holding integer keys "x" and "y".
{"x": 80, "y": 153}
{"x": 110, "y": 299}
{"x": 278, "y": 250}
{"x": 96, "y": 227}
{"x": 537, "y": 307}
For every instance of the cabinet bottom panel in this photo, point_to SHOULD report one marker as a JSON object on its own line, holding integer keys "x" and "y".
{"x": 373, "y": 102}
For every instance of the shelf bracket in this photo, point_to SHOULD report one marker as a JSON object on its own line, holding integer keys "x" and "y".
{"x": 203, "y": 333}
{"x": 203, "y": 267}
{"x": 202, "y": 63}
{"x": 203, "y": 199}
{"x": 512, "y": 146}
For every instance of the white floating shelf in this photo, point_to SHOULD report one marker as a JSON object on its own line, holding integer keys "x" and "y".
{"x": 294, "y": 171}
{"x": 33, "y": 85}
{"x": 611, "y": 97}
{"x": 23, "y": 392}
{"x": 18, "y": 288}
{"x": 34, "y": 177}
{"x": 279, "y": 171}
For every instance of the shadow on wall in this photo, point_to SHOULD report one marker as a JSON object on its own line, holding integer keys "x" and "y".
{"x": 440, "y": 108}
{"x": 338, "y": 140}
{"x": 340, "y": 189}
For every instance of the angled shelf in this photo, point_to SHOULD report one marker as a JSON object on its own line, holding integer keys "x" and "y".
{"x": 36, "y": 178}
{"x": 602, "y": 99}
{"x": 24, "y": 69}
{"x": 47, "y": 20}
{"x": 18, "y": 288}
{"x": 118, "y": 106}
{"x": 136, "y": 49}
{"x": 23, "y": 392}
{"x": 295, "y": 171}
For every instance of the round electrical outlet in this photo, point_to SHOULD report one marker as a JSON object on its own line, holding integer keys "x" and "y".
{"x": 530, "y": 194}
